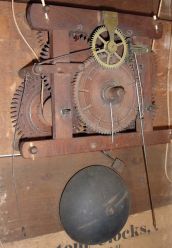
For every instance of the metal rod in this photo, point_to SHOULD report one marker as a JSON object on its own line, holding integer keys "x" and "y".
{"x": 108, "y": 156}
{"x": 111, "y": 116}
{"x": 10, "y": 155}
{"x": 12, "y": 161}
{"x": 141, "y": 115}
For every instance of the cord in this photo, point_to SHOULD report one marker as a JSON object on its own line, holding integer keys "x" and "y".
{"x": 168, "y": 97}
{"x": 12, "y": 159}
{"x": 159, "y": 8}
{"x": 20, "y": 33}
{"x": 168, "y": 112}
{"x": 55, "y": 60}
{"x": 42, "y": 93}
{"x": 14, "y": 137}
{"x": 2, "y": 244}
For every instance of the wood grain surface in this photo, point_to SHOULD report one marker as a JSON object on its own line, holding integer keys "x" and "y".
{"x": 30, "y": 190}
{"x": 145, "y": 7}
{"x": 138, "y": 232}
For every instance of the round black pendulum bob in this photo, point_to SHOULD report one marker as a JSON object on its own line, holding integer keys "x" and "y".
{"x": 94, "y": 205}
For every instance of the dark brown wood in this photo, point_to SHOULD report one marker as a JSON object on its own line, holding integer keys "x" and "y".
{"x": 166, "y": 10}
{"x": 140, "y": 25}
{"x": 68, "y": 18}
{"x": 62, "y": 125}
{"x": 91, "y": 144}
{"x": 40, "y": 182}
{"x": 61, "y": 95}
{"x": 146, "y": 7}
{"x": 59, "y": 68}
{"x": 61, "y": 90}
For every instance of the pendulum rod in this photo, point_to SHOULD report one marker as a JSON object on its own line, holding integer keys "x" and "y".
{"x": 141, "y": 117}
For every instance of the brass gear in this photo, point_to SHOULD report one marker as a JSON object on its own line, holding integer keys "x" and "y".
{"x": 114, "y": 53}
{"x": 95, "y": 88}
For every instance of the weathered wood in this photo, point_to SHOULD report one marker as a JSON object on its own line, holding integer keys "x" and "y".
{"x": 66, "y": 146}
{"x": 146, "y": 6}
{"x": 39, "y": 183}
{"x": 140, "y": 25}
{"x": 163, "y": 64}
{"x": 14, "y": 55}
{"x": 138, "y": 232}
{"x": 166, "y": 10}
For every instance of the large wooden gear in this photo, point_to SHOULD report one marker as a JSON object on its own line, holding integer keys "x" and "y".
{"x": 95, "y": 89}
{"x": 84, "y": 106}
{"x": 69, "y": 48}
{"x": 28, "y": 116}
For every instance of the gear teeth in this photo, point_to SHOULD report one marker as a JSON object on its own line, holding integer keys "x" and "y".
{"x": 16, "y": 103}
{"x": 75, "y": 83}
{"x": 78, "y": 36}
{"x": 42, "y": 37}
{"x": 98, "y": 59}
{"x": 75, "y": 79}
{"x": 45, "y": 51}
